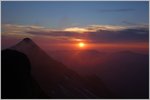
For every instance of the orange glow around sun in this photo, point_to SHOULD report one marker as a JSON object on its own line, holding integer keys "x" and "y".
{"x": 81, "y": 44}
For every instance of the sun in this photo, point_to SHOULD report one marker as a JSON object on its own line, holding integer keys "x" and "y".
{"x": 81, "y": 44}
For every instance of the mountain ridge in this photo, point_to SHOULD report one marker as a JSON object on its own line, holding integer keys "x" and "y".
{"x": 53, "y": 75}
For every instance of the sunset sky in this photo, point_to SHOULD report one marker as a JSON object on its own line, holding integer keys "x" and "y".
{"x": 99, "y": 24}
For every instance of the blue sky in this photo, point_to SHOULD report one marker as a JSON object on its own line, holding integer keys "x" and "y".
{"x": 59, "y": 15}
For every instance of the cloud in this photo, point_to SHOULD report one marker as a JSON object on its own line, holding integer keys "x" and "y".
{"x": 116, "y": 10}
{"x": 133, "y": 24}
{"x": 22, "y": 30}
{"x": 105, "y": 27}
{"x": 94, "y": 28}
{"x": 92, "y": 33}
{"x": 125, "y": 35}
{"x": 76, "y": 29}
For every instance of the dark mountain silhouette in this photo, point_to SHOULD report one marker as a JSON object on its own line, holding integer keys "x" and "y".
{"x": 125, "y": 73}
{"x": 17, "y": 81}
{"x": 54, "y": 78}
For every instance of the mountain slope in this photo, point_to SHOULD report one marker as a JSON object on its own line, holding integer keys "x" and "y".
{"x": 55, "y": 78}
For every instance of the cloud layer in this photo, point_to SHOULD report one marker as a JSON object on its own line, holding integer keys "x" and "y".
{"x": 92, "y": 33}
{"x": 116, "y": 10}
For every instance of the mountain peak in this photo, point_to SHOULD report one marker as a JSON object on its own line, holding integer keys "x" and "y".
{"x": 27, "y": 40}
{"x": 26, "y": 43}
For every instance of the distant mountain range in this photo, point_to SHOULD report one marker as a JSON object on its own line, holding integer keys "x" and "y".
{"x": 125, "y": 73}
{"x": 53, "y": 79}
